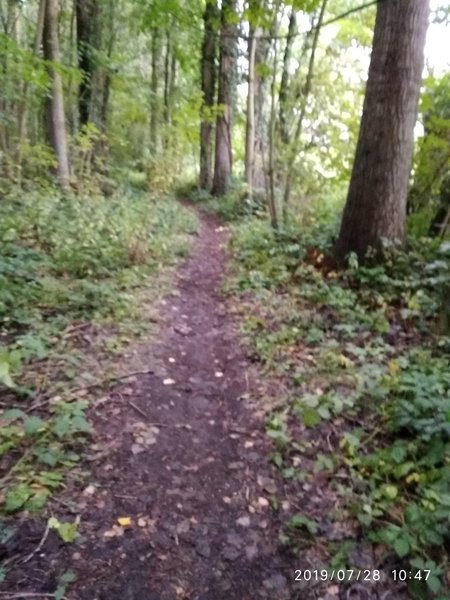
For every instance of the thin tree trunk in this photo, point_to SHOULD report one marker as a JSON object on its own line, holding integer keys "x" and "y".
{"x": 223, "y": 163}
{"x": 303, "y": 106}
{"x": 167, "y": 65}
{"x": 154, "y": 93}
{"x": 273, "y": 213}
{"x": 376, "y": 201}
{"x": 284, "y": 84}
{"x": 250, "y": 125}
{"x": 261, "y": 121}
{"x": 107, "y": 71}
{"x": 208, "y": 78}
{"x": 56, "y": 116}
{"x": 22, "y": 113}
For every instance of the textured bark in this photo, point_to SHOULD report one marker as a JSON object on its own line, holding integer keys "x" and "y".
{"x": 250, "y": 124}
{"x": 223, "y": 163}
{"x": 283, "y": 95}
{"x": 208, "y": 78}
{"x": 261, "y": 119}
{"x": 167, "y": 67}
{"x": 376, "y": 202}
{"x": 56, "y": 118}
{"x": 107, "y": 71}
{"x": 154, "y": 93}
{"x": 272, "y": 203}
{"x": 87, "y": 12}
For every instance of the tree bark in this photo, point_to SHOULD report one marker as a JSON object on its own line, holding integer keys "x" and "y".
{"x": 56, "y": 117}
{"x": 250, "y": 124}
{"x": 283, "y": 95}
{"x": 376, "y": 201}
{"x": 107, "y": 70}
{"x": 223, "y": 163}
{"x": 154, "y": 93}
{"x": 261, "y": 121}
{"x": 87, "y": 12}
{"x": 208, "y": 78}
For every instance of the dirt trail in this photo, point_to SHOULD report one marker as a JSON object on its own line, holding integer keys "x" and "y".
{"x": 186, "y": 459}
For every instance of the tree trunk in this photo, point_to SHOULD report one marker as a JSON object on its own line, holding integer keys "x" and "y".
{"x": 261, "y": 94}
{"x": 376, "y": 202}
{"x": 87, "y": 41}
{"x": 208, "y": 77}
{"x": 283, "y": 95}
{"x": 167, "y": 70}
{"x": 250, "y": 124}
{"x": 154, "y": 93}
{"x": 107, "y": 70}
{"x": 223, "y": 163}
{"x": 56, "y": 118}
{"x": 22, "y": 113}
{"x": 272, "y": 201}
{"x": 301, "y": 118}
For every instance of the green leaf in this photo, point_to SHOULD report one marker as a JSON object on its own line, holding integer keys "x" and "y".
{"x": 311, "y": 417}
{"x": 434, "y": 583}
{"x": 5, "y": 376}
{"x": 303, "y": 522}
{"x": 17, "y": 497}
{"x": 402, "y": 547}
{"x": 13, "y": 414}
{"x": 32, "y": 425}
{"x": 68, "y": 532}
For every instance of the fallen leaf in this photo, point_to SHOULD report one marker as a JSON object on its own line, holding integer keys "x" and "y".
{"x": 124, "y": 521}
{"x": 168, "y": 381}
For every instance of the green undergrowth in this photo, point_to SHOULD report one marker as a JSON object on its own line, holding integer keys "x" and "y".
{"x": 78, "y": 280}
{"x": 230, "y": 208}
{"x": 364, "y": 356}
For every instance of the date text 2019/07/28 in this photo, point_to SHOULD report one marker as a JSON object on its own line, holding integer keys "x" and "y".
{"x": 351, "y": 575}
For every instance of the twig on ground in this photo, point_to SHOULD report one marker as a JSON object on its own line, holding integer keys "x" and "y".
{"x": 137, "y": 409}
{"x": 39, "y": 546}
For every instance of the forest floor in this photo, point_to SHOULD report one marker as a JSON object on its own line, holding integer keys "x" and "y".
{"x": 179, "y": 502}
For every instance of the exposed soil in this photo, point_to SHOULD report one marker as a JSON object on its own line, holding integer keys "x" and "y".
{"x": 181, "y": 452}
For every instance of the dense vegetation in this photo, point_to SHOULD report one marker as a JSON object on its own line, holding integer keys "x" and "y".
{"x": 252, "y": 110}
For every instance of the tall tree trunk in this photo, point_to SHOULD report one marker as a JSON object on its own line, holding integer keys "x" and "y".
{"x": 56, "y": 116}
{"x": 261, "y": 121}
{"x": 301, "y": 118}
{"x": 208, "y": 78}
{"x": 250, "y": 124}
{"x": 376, "y": 201}
{"x": 272, "y": 201}
{"x": 22, "y": 112}
{"x": 87, "y": 12}
{"x": 283, "y": 95}
{"x": 167, "y": 66}
{"x": 223, "y": 163}
{"x": 154, "y": 93}
{"x": 107, "y": 71}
